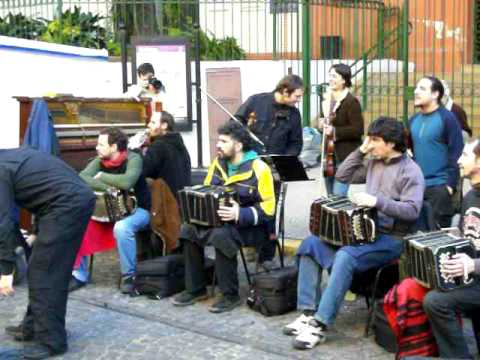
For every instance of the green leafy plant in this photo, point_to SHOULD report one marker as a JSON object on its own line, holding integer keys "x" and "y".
{"x": 20, "y": 26}
{"x": 76, "y": 28}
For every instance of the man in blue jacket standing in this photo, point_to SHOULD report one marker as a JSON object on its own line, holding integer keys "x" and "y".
{"x": 437, "y": 146}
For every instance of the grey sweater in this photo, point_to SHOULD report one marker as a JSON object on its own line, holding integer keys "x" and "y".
{"x": 398, "y": 186}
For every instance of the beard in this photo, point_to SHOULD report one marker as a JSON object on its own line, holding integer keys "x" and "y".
{"x": 224, "y": 156}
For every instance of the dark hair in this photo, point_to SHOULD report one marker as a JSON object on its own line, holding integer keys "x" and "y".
{"x": 145, "y": 68}
{"x": 290, "y": 83}
{"x": 390, "y": 130}
{"x": 168, "y": 118}
{"x": 116, "y": 136}
{"x": 157, "y": 84}
{"x": 436, "y": 86}
{"x": 237, "y": 132}
{"x": 344, "y": 71}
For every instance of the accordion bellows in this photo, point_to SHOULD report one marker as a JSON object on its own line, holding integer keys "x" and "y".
{"x": 199, "y": 204}
{"x": 338, "y": 221}
{"x": 113, "y": 205}
{"x": 425, "y": 254}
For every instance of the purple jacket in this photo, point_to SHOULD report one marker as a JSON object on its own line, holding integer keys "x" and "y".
{"x": 398, "y": 186}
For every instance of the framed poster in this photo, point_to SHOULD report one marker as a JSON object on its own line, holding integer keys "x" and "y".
{"x": 171, "y": 61}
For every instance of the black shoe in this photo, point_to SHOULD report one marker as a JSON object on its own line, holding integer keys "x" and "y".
{"x": 75, "y": 284}
{"x": 225, "y": 304}
{"x": 185, "y": 298}
{"x": 18, "y": 334}
{"x": 126, "y": 284}
{"x": 39, "y": 351}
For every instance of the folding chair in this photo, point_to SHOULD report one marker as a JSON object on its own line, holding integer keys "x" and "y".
{"x": 280, "y": 230}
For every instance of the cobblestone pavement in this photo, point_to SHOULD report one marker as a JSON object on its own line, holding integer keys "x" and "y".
{"x": 104, "y": 324}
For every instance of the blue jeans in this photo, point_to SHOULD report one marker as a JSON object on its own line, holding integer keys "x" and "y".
{"x": 309, "y": 283}
{"x": 343, "y": 268}
{"x": 124, "y": 233}
{"x": 335, "y": 187}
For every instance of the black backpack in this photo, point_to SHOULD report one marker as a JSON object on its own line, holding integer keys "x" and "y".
{"x": 160, "y": 277}
{"x": 274, "y": 292}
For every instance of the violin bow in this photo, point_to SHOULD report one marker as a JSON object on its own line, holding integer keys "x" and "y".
{"x": 252, "y": 135}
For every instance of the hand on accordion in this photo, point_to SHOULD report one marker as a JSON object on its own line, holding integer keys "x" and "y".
{"x": 364, "y": 199}
{"x": 229, "y": 213}
{"x": 458, "y": 265}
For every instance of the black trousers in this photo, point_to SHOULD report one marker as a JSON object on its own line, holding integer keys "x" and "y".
{"x": 226, "y": 269}
{"x": 441, "y": 202}
{"x": 442, "y": 309}
{"x": 58, "y": 240}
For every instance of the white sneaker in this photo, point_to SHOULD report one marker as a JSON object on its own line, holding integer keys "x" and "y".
{"x": 296, "y": 327}
{"x": 309, "y": 337}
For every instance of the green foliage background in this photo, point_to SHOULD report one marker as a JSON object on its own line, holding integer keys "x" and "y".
{"x": 84, "y": 29}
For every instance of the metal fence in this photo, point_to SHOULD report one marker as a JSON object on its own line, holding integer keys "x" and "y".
{"x": 389, "y": 44}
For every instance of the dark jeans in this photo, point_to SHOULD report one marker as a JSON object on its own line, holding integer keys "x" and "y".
{"x": 442, "y": 309}
{"x": 195, "y": 276}
{"x": 441, "y": 202}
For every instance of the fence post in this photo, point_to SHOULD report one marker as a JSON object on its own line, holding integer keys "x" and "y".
{"x": 364, "y": 82}
{"x": 124, "y": 55}
{"x": 306, "y": 61}
{"x": 405, "y": 13}
{"x": 198, "y": 94}
{"x": 381, "y": 32}
{"x": 59, "y": 10}
{"x": 274, "y": 14}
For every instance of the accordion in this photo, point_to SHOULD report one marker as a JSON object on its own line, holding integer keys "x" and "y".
{"x": 113, "y": 205}
{"x": 426, "y": 253}
{"x": 199, "y": 204}
{"x": 338, "y": 221}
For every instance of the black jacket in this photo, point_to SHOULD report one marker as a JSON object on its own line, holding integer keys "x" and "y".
{"x": 40, "y": 183}
{"x": 168, "y": 158}
{"x": 278, "y": 126}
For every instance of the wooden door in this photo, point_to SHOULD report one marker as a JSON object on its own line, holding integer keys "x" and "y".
{"x": 224, "y": 84}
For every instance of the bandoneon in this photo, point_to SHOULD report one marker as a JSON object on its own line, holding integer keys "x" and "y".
{"x": 338, "y": 221}
{"x": 113, "y": 205}
{"x": 426, "y": 253}
{"x": 199, "y": 204}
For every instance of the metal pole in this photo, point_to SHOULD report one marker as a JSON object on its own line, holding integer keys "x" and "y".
{"x": 381, "y": 32}
{"x": 198, "y": 94}
{"x": 405, "y": 60}
{"x": 59, "y": 10}
{"x": 123, "y": 48}
{"x": 364, "y": 82}
{"x": 274, "y": 14}
{"x": 306, "y": 61}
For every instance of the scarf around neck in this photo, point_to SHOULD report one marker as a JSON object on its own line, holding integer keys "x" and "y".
{"x": 113, "y": 163}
